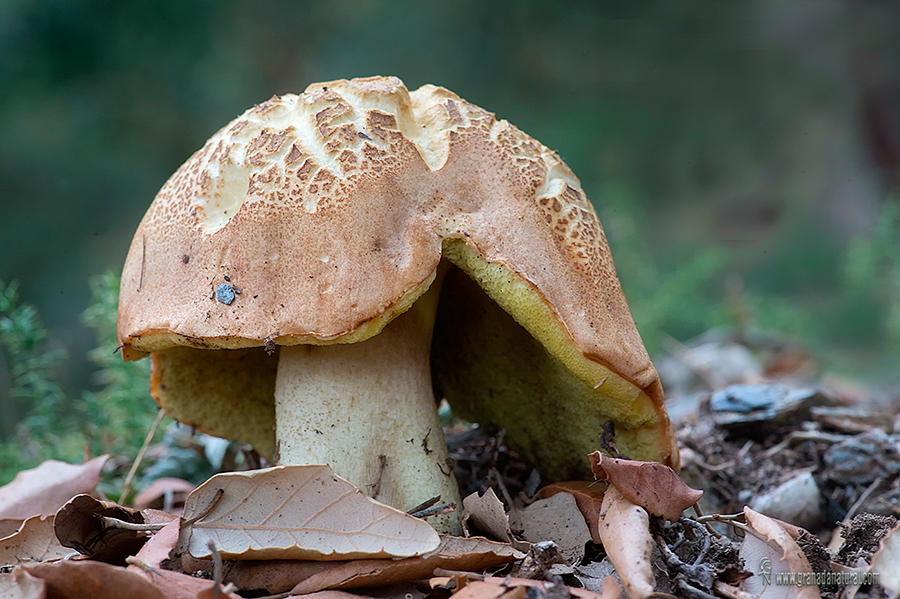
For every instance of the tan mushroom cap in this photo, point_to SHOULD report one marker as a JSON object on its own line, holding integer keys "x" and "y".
{"x": 329, "y": 214}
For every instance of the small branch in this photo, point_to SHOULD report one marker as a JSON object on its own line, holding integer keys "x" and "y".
{"x": 424, "y": 505}
{"x": 730, "y": 592}
{"x": 458, "y": 573}
{"x": 217, "y": 569}
{"x": 608, "y": 439}
{"x": 434, "y": 511}
{"x": 109, "y": 522}
{"x": 707, "y": 538}
{"x": 142, "y": 565}
{"x": 376, "y": 488}
{"x": 862, "y": 499}
{"x": 212, "y": 503}
{"x": 137, "y": 462}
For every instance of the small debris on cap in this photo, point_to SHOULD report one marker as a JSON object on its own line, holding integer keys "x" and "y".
{"x": 225, "y": 294}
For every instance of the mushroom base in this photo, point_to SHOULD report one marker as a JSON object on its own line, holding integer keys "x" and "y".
{"x": 368, "y": 410}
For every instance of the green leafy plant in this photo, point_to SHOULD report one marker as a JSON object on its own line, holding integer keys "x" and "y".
{"x": 118, "y": 416}
{"x": 663, "y": 301}
{"x": 38, "y": 418}
{"x": 42, "y": 423}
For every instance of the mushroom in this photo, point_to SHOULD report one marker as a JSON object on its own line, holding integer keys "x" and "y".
{"x": 307, "y": 279}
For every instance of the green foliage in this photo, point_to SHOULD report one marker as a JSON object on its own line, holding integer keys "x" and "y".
{"x": 119, "y": 415}
{"x": 114, "y": 419}
{"x": 664, "y": 301}
{"x": 24, "y": 338}
{"x": 872, "y": 273}
{"x": 45, "y": 429}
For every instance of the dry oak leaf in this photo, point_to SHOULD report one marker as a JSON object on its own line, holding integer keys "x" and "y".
{"x": 9, "y": 526}
{"x": 35, "y": 542}
{"x": 154, "y": 494}
{"x": 297, "y": 512}
{"x": 886, "y": 561}
{"x": 454, "y": 553}
{"x": 19, "y": 584}
{"x": 556, "y": 519}
{"x": 79, "y": 525}
{"x": 43, "y": 490}
{"x": 625, "y": 533}
{"x": 588, "y": 497}
{"x": 175, "y": 585}
{"x": 494, "y": 587}
{"x": 786, "y": 552}
{"x": 332, "y": 595}
{"x": 77, "y": 579}
{"x": 655, "y": 487}
{"x": 487, "y": 513}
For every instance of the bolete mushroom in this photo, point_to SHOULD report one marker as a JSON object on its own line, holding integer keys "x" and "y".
{"x": 288, "y": 277}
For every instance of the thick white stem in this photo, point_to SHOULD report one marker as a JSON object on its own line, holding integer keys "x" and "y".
{"x": 368, "y": 410}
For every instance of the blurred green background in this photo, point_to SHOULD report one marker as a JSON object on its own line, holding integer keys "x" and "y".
{"x": 744, "y": 157}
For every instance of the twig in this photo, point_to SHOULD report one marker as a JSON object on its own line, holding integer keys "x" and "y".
{"x": 707, "y": 538}
{"x": 137, "y": 462}
{"x": 707, "y": 520}
{"x": 456, "y": 573}
{"x": 217, "y": 569}
{"x": 686, "y": 356}
{"x": 109, "y": 522}
{"x": 608, "y": 439}
{"x": 434, "y": 511}
{"x": 802, "y": 436}
{"x": 495, "y": 474}
{"x": 376, "y": 488}
{"x": 730, "y": 592}
{"x": 862, "y": 498}
{"x": 727, "y": 518}
{"x": 712, "y": 467}
{"x": 424, "y": 505}
{"x": 690, "y": 591}
{"x": 212, "y": 503}
{"x": 141, "y": 564}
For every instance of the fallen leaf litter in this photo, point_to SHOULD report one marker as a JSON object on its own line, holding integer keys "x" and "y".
{"x": 694, "y": 562}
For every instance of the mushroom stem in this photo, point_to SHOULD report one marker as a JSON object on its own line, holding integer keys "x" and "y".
{"x": 349, "y": 405}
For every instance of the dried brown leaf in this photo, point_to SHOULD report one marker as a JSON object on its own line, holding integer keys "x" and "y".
{"x": 588, "y": 497}
{"x": 43, "y": 490}
{"x": 556, "y": 519}
{"x": 10, "y": 525}
{"x": 494, "y": 587}
{"x": 886, "y": 561}
{"x": 654, "y": 487}
{"x": 79, "y": 525}
{"x": 19, "y": 584}
{"x": 276, "y": 575}
{"x": 298, "y": 512}
{"x": 471, "y": 554}
{"x": 625, "y": 533}
{"x": 154, "y": 516}
{"x": 156, "y": 550}
{"x": 487, "y": 514}
{"x": 75, "y": 579}
{"x": 764, "y": 561}
{"x": 786, "y": 553}
{"x": 175, "y": 585}
{"x": 331, "y": 595}
{"x": 35, "y": 542}
{"x": 154, "y": 494}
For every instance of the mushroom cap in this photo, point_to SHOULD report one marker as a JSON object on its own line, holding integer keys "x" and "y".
{"x": 323, "y": 216}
